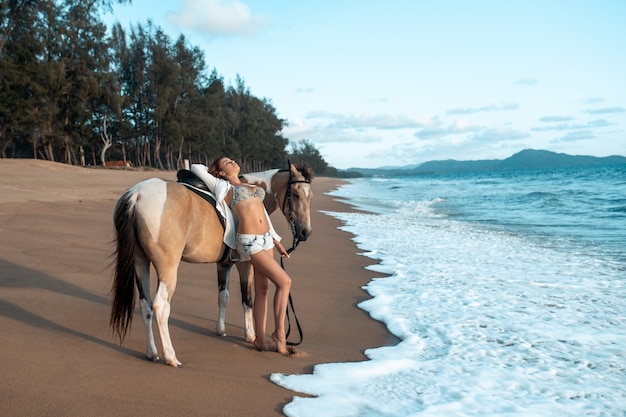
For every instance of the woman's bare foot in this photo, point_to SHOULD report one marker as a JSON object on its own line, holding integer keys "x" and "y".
{"x": 281, "y": 344}
{"x": 260, "y": 344}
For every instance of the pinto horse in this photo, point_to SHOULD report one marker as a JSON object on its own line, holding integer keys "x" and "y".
{"x": 163, "y": 222}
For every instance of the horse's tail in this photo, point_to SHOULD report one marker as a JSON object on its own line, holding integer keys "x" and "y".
{"x": 123, "y": 289}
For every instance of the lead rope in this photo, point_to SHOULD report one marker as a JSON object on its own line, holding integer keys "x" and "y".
{"x": 282, "y": 265}
{"x": 291, "y": 305}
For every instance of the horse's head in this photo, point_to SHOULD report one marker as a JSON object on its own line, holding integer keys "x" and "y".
{"x": 297, "y": 201}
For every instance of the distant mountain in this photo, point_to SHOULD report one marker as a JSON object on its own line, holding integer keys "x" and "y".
{"x": 526, "y": 159}
{"x": 533, "y": 159}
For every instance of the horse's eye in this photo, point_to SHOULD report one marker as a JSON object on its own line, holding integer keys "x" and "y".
{"x": 296, "y": 196}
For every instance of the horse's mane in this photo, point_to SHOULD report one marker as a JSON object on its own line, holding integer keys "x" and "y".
{"x": 306, "y": 171}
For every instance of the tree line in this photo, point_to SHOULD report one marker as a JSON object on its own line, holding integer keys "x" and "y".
{"x": 72, "y": 91}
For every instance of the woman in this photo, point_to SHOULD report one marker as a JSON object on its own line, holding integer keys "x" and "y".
{"x": 255, "y": 242}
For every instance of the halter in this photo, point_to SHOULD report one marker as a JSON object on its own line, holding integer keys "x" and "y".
{"x": 287, "y": 203}
{"x": 296, "y": 241}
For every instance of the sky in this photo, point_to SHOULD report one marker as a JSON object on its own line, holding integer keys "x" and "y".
{"x": 400, "y": 82}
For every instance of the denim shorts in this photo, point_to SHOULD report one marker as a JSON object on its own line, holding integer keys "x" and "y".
{"x": 248, "y": 245}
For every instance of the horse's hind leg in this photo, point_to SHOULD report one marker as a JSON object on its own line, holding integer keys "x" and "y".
{"x": 223, "y": 280}
{"x": 165, "y": 290}
{"x": 142, "y": 266}
{"x": 246, "y": 276}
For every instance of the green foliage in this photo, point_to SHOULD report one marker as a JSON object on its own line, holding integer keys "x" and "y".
{"x": 70, "y": 88}
{"x": 304, "y": 152}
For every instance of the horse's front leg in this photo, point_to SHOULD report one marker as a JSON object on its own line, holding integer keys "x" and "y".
{"x": 223, "y": 296}
{"x": 246, "y": 276}
{"x": 165, "y": 290}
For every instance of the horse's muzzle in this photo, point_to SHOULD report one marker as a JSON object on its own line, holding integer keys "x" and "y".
{"x": 303, "y": 234}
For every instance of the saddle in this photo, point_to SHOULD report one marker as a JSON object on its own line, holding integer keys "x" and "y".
{"x": 195, "y": 184}
{"x": 187, "y": 177}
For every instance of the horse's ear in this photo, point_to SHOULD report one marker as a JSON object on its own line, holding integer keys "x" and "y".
{"x": 292, "y": 168}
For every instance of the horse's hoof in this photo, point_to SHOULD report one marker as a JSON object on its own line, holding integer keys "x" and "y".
{"x": 175, "y": 363}
{"x": 152, "y": 358}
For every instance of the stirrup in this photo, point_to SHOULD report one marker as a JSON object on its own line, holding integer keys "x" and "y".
{"x": 233, "y": 256}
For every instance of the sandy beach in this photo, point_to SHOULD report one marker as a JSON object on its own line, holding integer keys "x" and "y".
{"x": 59, "y": 357}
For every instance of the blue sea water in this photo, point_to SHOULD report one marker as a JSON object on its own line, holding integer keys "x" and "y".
{"x": 506, "y": 289}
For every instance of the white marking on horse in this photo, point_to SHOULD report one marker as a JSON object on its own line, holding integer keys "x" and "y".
{"x": 161, "y": 308}
{"x": 147, "y": 313}
{"x": 151, "y": 194}
{"x": 262, "y": 178}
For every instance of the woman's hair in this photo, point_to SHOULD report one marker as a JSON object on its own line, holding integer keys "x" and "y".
{"x": 214, "y": 168}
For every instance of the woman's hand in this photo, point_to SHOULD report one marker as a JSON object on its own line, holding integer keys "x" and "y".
{"x": 281, "y": 249}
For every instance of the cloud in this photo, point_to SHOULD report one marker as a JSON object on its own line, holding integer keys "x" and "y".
{"x": 576, "y": 136}
{"x": 599, "y": 123}
{"x": 490, "y": 108}
{"x": 556, "y": 119}
{"x": 218, "y": 17}
{"x": 305, "y": 90}
{"x": 605, "y": 110}
{"x": 462, "y": 126}
{"x": 383, "y": 121}
{"x": 326, "y": 128}
{"x": 457, "y": 127}
{"x": 568, "y": 126}
{"x": 499, "y": 134}
{"x": 321, "y": 132}
{"x": 592, "y": 100}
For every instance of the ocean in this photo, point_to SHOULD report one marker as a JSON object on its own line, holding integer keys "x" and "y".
{"x": 506, "y": 289}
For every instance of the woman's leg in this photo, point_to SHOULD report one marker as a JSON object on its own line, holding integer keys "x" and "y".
{"x": 266, "y": 265}
{"x": 259, "y": 308}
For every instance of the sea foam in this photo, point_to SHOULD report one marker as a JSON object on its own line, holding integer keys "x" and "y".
{"x": 490, "y": 321}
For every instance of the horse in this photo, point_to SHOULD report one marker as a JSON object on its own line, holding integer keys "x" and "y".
{"x": 162, "y": 223}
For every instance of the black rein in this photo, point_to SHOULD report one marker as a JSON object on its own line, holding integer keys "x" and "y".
{"x": 296, "y": 241}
